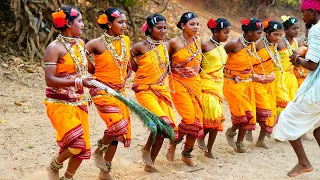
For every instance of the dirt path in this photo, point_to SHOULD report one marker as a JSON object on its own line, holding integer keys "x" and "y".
{"x": 27, "y": 141}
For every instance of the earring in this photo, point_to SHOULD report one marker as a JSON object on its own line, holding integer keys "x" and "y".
{"x": 109, "y": 27}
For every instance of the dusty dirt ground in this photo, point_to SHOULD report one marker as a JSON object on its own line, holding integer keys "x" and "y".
{"x": 27, "y": 144}
{"x": 27, "y": 139}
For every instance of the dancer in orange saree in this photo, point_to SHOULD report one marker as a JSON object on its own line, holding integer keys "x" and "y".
{"x": 265, "y": 88}
{"x": 238, "y": 89}
{"x": 111, "y": 54}
{"x": 66, "y": 75}
{"x": 152, "y": 65}
{"x": 185, "y": 52}
{"x": 213, "y": 62}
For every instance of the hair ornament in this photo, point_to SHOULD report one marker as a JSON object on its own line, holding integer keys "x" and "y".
{"x": 212, "y": 24}
{"x": 245, "y": 22}
{"x": 285, "y": 18}
{"x": 59, "y": 19}
{"x": 259, "y": 25}
{"x": 266, "y": 23}
{"x": 155, "y": 20}
{"x": 116, "y": 14}
{"x": 188, "y": 16}
{"x": 275, "y": 26}
{"x": 74, "y": 12}
{"x": 144, "y": 27}
{"x": 103, "y": 19}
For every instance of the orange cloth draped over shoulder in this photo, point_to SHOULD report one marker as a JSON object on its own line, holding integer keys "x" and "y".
{"x": 187, "y": 88}
{"x": 151, "y": 85}
{"x": 112, "y": 111}
{"x": 265, "y": 91}
{"x": 67, "y": 109}
{"x": 287, "y": 84}
{"x": 212, "y": 84}
{"x": 238, "y": 89}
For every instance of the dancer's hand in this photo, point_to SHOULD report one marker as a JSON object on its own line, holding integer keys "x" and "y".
{"x": 294, "y": 58}
{"x": 86, "y": 81}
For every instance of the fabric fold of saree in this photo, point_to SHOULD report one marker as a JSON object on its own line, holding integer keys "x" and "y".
{"x": 212, "y": 85}
{"x": 238, "y": 89}
{"x": 67, "y": 110}
{"x": 186, "y": 83}
{"x": 151, "y": 85}
{"x": 265, "y": 91}
{"x": 287, "y": 84}
{"x": 112, "y": 111}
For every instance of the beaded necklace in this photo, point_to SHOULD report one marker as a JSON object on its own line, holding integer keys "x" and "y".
{"x": 252, "y": 52}
{"x": 152, "y": 45}
{"x": 194, "y": 53}
{"x": 120, "y": 60}
{"x": 217, "y": 44}
{"x": 81, "y": 64}
{"x": 301, "y": 73}
{"x": 290, "y": 50}
{"x": 274, "y": 56}
{"x": 305, "y": 39}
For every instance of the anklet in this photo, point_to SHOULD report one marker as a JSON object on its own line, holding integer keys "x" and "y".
{"x": 55, "y": 165}
{"x": 108, "y": 164}
{"x": 102, "y": 147}
{"x": 69, "y": 173}
{"x": 187, "y": 154}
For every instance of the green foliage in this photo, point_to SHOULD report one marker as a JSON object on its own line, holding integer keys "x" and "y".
{"x": 289, "y": 2}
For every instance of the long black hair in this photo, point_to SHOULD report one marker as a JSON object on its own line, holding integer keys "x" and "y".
{"x": 185, "y": 18}
{"x": 69, "y": 16}
{"x": 220, "y": 24}
{"x": 252, "y": 24}
{"x": 152, "y": 21}
{"x": 289, "y": 22}
{"x": 272, "y": 26}
{"x": 111, "y": 18}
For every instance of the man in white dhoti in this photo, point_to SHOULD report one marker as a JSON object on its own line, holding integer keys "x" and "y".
{"x": 303, "y": 113}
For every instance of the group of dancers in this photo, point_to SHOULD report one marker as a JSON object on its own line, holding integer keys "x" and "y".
{"x": 257, "y": 74}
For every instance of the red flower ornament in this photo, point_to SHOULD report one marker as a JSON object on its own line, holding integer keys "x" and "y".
{"x": 245, "y": 22}
{"x": 212, "y": 24}
{"x": 59, "y": 19}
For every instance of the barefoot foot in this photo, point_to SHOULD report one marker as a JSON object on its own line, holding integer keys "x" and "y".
{"x": 99, "y": 161}
{"x": 105, "y": 176}
{"x": 299, "y": 169}
{"x": 52, "y": 174}
{"x": 240, "y": 148}
{"x": 262, "y": 144}
{"x": 188, "y": 161}
{"x": 230, "y": 137}
{"x": 170, "y": 152}
{"x": 209, "y": 155}
{"x": 146, "y": 157}
{"x": 249, "y": 136}
{"x": 150, "y": 169}
{"x": 202, "y": 145}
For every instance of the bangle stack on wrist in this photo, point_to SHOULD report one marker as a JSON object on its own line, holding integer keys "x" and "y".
{"x": 78, "y": 83}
